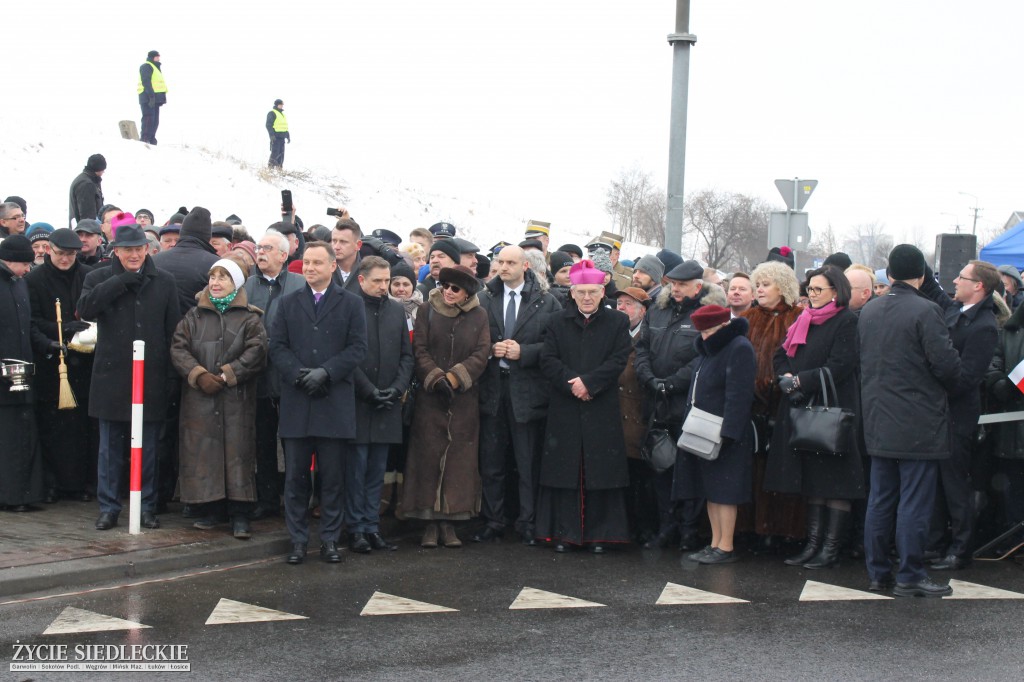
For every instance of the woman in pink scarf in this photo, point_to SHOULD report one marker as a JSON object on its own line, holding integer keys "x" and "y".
{"x": 823, "y": 336}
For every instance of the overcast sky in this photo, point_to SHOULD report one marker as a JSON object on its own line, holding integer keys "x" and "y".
{"x": 894, "y": 107}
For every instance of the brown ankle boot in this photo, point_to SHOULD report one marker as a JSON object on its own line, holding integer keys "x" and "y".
{"x": 429, "y": 536}
{"x": 448, "y": 536}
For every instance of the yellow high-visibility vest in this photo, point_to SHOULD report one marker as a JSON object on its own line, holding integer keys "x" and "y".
{"x": 157, "y": 81}
{"x": 280, "y": 122}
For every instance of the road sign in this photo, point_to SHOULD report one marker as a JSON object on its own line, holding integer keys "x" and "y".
{"x": 789, "y": 228}
{"x": 796, "y": 192}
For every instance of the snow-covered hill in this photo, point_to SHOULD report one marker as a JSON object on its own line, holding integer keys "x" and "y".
{"x": 39, "y": 164}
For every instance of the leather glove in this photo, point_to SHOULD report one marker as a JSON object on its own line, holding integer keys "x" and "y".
{"x": 656, "y": 385}
{"x": 444, "y": 389}
{"x": 387, "y": 398}
{"x": 132, "y": 280}
{"x": 787, "y": 384}
{"x": 314, "y": 382}
{"x": 210, "y": 384}
{"x": 1003, "y": 390}
{"x": 55, "y": 347}
{"x": 73, "y": 327}
{"x": 797, "y": 397}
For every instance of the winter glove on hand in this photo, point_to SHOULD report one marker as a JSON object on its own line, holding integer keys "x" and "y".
{"x": 314, "y": 382}
{"x": 656, "y": 385}
{"x": 55, "y": 347}
{"x": 787, "y": 384}
{"x": 73, "y": 327}
{"x": 210, "y": 384}
{"x": 132, "y": 280}
{"x": 1004, "y": 391}
{"x": 445, "y": 389}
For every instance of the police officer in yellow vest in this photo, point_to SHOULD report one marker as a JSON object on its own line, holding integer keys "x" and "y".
{"x": 277, "y": 127}
{"x": 152, "y": 95}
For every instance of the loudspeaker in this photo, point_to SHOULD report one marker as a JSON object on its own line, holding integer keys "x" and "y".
{"x": 952, "y": 253}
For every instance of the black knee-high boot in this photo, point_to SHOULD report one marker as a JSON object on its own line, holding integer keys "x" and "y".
{"x": 835, "y": 533}
{"x": 815, "y": 530}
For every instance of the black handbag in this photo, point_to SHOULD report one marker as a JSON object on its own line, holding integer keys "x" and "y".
{"x": 823, "y": 429}
{"x": 659, "y": 447}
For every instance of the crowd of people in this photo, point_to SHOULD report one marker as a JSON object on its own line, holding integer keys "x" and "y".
{"x": 330, "y": 373}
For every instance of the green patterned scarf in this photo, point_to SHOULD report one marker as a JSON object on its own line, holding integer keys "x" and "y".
{"x": 222, "y": 304}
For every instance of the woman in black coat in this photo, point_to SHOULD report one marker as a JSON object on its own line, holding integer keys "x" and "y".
{"x": 824, "y": 336}
{"x": 722, "y": 384}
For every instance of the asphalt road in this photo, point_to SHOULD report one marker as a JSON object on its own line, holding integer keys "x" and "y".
{"x": 774, "y": 636}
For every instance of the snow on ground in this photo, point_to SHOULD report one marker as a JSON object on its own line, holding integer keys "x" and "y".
{"x": 41, "y": 160}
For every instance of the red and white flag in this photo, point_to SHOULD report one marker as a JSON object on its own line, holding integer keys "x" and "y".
{"x": 1017, "y": 376}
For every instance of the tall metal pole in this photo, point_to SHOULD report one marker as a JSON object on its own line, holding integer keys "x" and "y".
{"x": 680, "y": 42}
{"x": 976, "y": 208}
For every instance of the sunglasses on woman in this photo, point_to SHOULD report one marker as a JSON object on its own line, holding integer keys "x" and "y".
{"x": 454, "y": 287}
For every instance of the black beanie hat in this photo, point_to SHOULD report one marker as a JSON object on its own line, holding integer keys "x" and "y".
{"x": 17, "y": 249}
{"x": 446, "y": 246}
{"x": 152, "y": 53}
{"x": 839, "y": 259}
{"x": 95, "y": 163}
{"x": 906, "y": 262}
{"x": 19, "y": 201}
{"x": 782, "y": 254}
{"x": 197, "y": 224}
{"x": 402, "y": 269}
{"x": 558, "y": 260}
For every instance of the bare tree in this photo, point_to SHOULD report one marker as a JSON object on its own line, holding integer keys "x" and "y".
{"x": 825, "y": 244}
{"x": 732, "y": 228}
{"x": 637, "y": 207}
{"x": 869, "y": 244}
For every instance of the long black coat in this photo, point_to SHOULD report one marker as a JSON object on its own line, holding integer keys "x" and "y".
{"x": 331, "y": 335}
{"x": 388, "y": 364}
{"x": 833, "y": 345}
{"x": 46, "y": 284}
{"x": 1009, "y": 436}
{"x": 724, "y": 374}
{"x": 21, "y": 472}
{"x": 527, "y": 388}
{"x": 150, "y": 314}
{"x": 907, "y": 366}
{"x": 189, "y": 262}
{"x": 974, "y": 334}
{"x": 585, "y": 432}
{"x": 257, "y": 290}
{"x": 86, "y": 197}
{"x": 666, "y": 349}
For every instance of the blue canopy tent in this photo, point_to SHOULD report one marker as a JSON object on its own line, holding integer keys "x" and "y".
{"x": 1007, "y": 248}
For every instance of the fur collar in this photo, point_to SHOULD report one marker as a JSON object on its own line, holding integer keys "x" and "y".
{"x": 436, "y": 301}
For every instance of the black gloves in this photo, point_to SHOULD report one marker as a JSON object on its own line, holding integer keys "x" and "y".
{"x": 1004, "y": 391}
{"x": 656, "y": 385}
{"x": 132, "y": 280}
{"x": 444, "y": 388}
{"x": 73, "y": 327}
{"x": 313, "y": 381}
{"x": 54, "y": 348}
{"x": 385, "y": 398}
{"x": 787, "y": 384}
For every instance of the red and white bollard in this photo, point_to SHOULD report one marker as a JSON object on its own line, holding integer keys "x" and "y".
{"x": 135, "y": 487}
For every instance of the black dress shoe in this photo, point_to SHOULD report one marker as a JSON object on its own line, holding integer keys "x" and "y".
{"x": 924, "y": 588}
{"x": 298, "y": 554}
{"x": 951, "y": 563}
{"x": 598, "y": 548}
{"x": 106, "y": 521}
{"x": 488, "y": 534}
{"x": 378, "y": 542}
{"x": 358, "y": 543}
{"x": 262, "y": 511}
{"x": 689, "y": 542}
{"x": 529, "y": 540}
{"x": 149, "y": 520}
{"x": 663, "y": 539}
{"x": 564, "y": 548}
{"x": 329, "y": 552}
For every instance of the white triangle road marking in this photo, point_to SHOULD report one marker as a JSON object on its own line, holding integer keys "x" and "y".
{"x": 73, "y": 620}
{"x": 382, "y": 604}
{"x": 231, "y": 611}
{"x": 965, "y": 590}
{"x": 815, "y": 591}
{"x": 680, "y": 594}
{"x": 532, "y": 598}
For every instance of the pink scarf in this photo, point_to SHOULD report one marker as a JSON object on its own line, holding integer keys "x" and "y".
{"x": 796, "y": 335}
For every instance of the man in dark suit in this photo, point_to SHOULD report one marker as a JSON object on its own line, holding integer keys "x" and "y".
{"x": 513, "y": 393}
{"x": 317, "y": 340}
{"x": 971, "y": 321}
